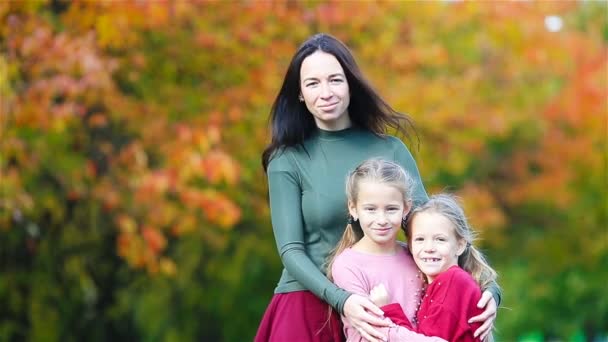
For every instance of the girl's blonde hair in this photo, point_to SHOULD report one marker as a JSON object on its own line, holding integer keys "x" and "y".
{"x": 471, "y": 260}
{"x": 375, "y": 170}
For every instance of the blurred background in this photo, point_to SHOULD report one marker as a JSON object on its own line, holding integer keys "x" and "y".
{"x": 133, "y": 205}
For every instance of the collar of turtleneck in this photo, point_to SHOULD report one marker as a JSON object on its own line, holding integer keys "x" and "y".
{"x": 334, "y": 135}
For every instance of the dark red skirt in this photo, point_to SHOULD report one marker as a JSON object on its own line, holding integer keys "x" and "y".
{"x": 299, "y": 316}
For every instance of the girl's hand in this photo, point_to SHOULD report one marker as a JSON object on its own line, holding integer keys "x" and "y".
{"x": 379, "y": 295}
{"x": 487, "y": 317}
{"x": 363, "y": 316}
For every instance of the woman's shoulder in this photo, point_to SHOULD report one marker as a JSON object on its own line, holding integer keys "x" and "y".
{"x": 394, "y": 142}
{"x": 387, "y": 141}
{"x": 282, "y": 159}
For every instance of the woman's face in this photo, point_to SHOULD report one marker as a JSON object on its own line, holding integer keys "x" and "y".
{"x": 324, "y": 90}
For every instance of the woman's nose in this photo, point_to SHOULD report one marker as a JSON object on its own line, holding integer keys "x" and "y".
{"x": 326, "y": 90}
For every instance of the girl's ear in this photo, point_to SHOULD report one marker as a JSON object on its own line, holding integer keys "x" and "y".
{"x": 407, "y": 207}
{"x": 352, "y": 210}
{"x": 462, "y": 245}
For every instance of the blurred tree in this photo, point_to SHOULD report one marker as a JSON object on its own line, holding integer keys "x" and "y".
{"x": 133, "y": 205}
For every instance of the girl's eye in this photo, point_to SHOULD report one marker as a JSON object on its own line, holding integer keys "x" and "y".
{"x": 310, "y": 84}
{"x": 336, "y": 80}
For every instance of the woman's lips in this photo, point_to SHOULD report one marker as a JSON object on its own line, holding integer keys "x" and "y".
{"x": 328, "y": 107}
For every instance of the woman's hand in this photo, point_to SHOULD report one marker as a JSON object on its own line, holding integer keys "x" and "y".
{"x": 363, "y": 315}
{"x": 487, "y": 317}
{"x": 379, "y": 295}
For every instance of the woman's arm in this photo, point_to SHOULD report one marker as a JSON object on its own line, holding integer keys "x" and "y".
{"x": 287, "y": 224}
{"x": 489, "y": 301}
{"x": 495, "y": 292}
{"x": 487, "y": 317}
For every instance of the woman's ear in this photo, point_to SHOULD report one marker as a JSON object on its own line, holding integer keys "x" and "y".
{"x": 352, "y": 210}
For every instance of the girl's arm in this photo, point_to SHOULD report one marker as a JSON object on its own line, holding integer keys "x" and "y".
{"x": 350, "y": 277}
{"x": 399, "y": 334}
{"x": 448, "y": 325}
{"x": 453, "y": 298}
{"x": 403, "y": 331}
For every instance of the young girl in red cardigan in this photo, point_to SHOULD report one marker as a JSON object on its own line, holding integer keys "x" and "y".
{"x": 440, "y": 240}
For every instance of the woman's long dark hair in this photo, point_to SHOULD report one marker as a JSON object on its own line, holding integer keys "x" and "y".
{"x": 292, "y": 123}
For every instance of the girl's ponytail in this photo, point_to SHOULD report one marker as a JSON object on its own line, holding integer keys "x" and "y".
{"x": 351, "y": 235}
{"x": 473, "y": 261}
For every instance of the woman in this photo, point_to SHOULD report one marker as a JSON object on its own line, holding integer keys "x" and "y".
{"x": 325, "y": 121}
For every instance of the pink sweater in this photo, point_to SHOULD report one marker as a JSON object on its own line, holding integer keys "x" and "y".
{"x": 359, "y": 272}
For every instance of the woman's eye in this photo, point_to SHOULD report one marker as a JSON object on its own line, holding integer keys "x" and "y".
{"x": 311, "y": 84}
{"x": 337, "y": 80}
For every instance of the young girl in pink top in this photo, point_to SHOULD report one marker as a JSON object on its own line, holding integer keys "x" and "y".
{"x": 369, "y": 259}
{"x": 379, "y": 198}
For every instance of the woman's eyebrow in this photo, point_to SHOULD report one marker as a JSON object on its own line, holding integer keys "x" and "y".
{"x": 314, "y": 78}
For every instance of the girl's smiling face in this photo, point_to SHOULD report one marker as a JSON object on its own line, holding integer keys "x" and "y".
{"x": 380, "y": 208}
{"x": 434, "y": 243}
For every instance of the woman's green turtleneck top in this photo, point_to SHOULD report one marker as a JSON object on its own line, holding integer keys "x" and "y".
{"x": 308, "y": 202}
